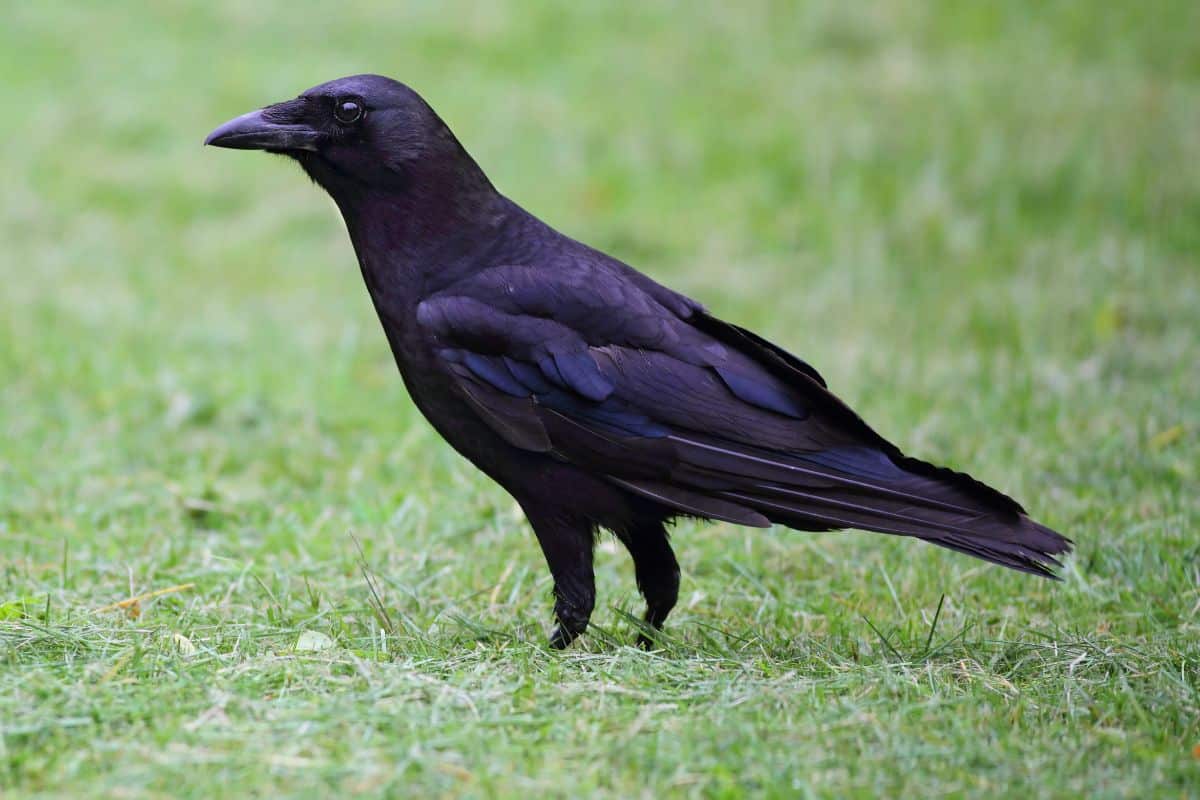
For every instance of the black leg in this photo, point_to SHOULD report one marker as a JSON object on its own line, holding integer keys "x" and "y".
{"x": 567, "y": 544}
{"x": 656, "y": 569}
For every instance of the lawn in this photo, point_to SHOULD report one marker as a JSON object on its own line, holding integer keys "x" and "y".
{"x": 982, "y": 225}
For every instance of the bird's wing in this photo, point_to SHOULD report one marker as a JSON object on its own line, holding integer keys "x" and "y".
{"x": 699, "y": 415}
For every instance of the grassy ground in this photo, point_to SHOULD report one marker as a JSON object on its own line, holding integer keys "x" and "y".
{"x": 982, "y": 226}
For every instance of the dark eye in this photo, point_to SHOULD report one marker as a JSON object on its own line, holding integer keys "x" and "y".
{"x": 348, "y": 110}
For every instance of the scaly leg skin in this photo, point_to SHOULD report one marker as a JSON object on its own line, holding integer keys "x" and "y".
{"x": 657, "y": 573}
{"x": 567, "y": 544}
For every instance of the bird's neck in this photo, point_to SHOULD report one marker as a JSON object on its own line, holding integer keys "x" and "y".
{"x": 423, "y": 237}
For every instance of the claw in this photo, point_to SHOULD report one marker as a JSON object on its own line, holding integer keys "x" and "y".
{"x": 559, "y": 640}
{"x": 565, "y": 634}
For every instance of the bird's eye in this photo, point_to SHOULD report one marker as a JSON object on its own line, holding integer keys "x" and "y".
{"x": 348, "y": 110}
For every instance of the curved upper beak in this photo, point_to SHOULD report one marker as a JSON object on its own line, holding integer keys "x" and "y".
{"x": 254, "y": 131}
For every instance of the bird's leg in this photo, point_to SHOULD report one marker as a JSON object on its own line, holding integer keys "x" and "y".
{"x": 567, "y": 544}
{"x": 657, "y": 572}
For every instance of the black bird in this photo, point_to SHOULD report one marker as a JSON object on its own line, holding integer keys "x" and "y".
{"x": 595, "y": 396}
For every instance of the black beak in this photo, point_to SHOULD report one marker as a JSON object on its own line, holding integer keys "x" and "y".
{"x": 255, "y": 131}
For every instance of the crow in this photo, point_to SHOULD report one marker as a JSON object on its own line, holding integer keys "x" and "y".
{"x": 598, "y": 398}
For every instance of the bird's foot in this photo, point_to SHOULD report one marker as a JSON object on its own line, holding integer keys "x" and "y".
{"x": 648, "y": 638}
{"x": 565, "y": 634}
{"x": 571, "y": 624}
{"x": 652, "y": 622}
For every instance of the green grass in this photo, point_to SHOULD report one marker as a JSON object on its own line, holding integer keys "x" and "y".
{"x": 982, "y": 225}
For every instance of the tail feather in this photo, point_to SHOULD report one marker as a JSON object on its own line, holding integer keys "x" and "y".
{"x": 869, "y": 490}
{"x": 1019, "y": 543}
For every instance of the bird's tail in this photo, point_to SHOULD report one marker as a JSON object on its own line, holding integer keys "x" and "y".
{"x": 1010, "y": 539}
{"x": 865, "y": 488}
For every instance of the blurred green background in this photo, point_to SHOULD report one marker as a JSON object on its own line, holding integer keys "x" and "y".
{"x": 980, "y": 221}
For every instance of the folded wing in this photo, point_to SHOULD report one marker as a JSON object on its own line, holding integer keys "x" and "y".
{"x": 701, "y": 416}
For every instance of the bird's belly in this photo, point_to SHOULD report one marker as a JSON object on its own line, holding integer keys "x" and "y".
{"x": 434, "y": 395}
{"x": 522, "y": 473}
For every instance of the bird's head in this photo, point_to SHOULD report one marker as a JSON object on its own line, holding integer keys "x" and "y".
{"x": 354, "y": 134}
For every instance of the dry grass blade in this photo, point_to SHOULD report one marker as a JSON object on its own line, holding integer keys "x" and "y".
{"x": 131, "y": 602}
